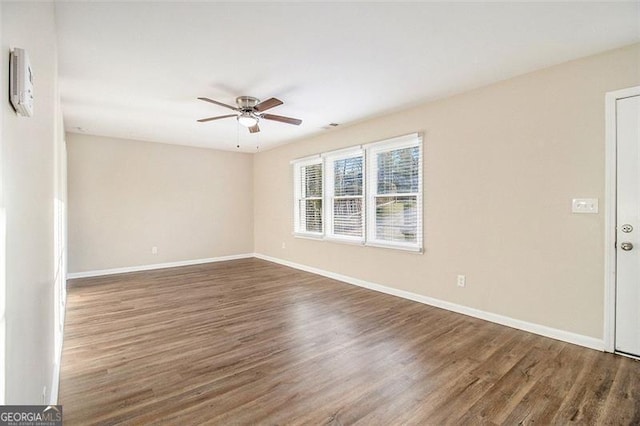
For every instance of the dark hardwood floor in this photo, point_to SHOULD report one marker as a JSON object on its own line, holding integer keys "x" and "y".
{"x": 248, "y": 341}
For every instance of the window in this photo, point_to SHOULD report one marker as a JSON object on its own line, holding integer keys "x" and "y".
{"x": 395, "y": 199}
{"x": 345, "y": 195}
{"x": 308, "y": 193}
{"x": 369, "y": 194}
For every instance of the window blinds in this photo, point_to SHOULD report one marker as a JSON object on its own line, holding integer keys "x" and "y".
{"x": 396, "y": 194}
{"x": 346, "y": 194}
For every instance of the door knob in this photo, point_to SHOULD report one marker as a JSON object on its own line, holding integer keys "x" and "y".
{"x": 626, "y": 246}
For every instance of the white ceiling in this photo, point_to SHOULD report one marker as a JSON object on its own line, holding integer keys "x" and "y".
{"x": 134, "y": 70}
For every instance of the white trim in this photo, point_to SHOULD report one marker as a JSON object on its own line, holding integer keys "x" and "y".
{"x": 401, "y": 141}
{"x": 356, "y": 241}
{"x": 55, "y": 381}
{"x": 309, "y": 235}
{"x": 101, "y": 272}
{"x": 610, "y": 214}
{"x": 352, "y": 151}
{"x": 395, "y": 246}
{"x": 57, "y": 364}
{"x": 542, "y": 330}
{"x": 628, "y": 355}
{"x": 307, "y": 159}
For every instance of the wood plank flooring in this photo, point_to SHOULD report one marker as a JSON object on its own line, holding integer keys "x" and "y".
{"x": 251, "y": 342}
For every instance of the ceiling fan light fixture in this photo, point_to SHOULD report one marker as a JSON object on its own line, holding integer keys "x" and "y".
{"x": 247, "y": 120}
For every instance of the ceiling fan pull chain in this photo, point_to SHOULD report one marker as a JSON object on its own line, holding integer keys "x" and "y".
{"x": 237, "y": 134}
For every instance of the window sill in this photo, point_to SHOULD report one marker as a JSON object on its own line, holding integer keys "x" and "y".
{"x": 308, "y": 236}
{"x": 416, "y": 250}
{"x": 353, "y": 242}
{"x": 320, "y": 237}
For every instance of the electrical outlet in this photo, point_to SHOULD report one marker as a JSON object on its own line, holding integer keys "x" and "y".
{"x": 284, "y": 246}
{"x": 462, "y": 280}
{"x": 154, "y": 250}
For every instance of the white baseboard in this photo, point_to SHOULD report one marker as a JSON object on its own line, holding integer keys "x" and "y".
{"x": 542, "y": 330}
{"x": 554, "y": 333}
{"x": 139, "y": 268}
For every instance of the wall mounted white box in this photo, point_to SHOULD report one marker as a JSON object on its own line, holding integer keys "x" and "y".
{"x": 584, "y": 205}
{"x": 21, "y": 82}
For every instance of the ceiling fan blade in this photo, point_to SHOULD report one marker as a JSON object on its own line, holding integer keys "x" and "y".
{"x": 281, "y": 119}
{"x": 254, "y": 129}
{"x": 218, "y": 103}
{"x": 202, "y": 120}
{"x": 268, "y": 104}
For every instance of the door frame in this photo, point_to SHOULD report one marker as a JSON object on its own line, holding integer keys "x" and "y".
{"x": 610, "y": 204}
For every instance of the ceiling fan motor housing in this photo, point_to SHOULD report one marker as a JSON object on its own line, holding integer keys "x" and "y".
{"x": 247, "y": 103}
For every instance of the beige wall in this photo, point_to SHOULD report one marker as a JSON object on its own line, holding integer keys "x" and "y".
{"x": 31, "y": 201}
{"x": 502, "y": 164}
{"x": 126, "y": 196}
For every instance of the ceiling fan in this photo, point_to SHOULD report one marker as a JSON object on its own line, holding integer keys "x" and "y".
{"x": 250, "y": 110}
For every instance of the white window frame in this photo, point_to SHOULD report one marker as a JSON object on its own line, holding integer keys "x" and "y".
{"x": 300, "y": 222}
{"x": 369, "y": 178}
{"x": 372, "y": 150}
{"x": 329, "y": 193}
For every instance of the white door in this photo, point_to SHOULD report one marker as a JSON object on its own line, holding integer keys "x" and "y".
{"x": 627, "y": 325}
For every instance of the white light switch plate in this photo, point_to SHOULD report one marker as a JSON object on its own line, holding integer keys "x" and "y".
{"x": 584, "y": 205}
